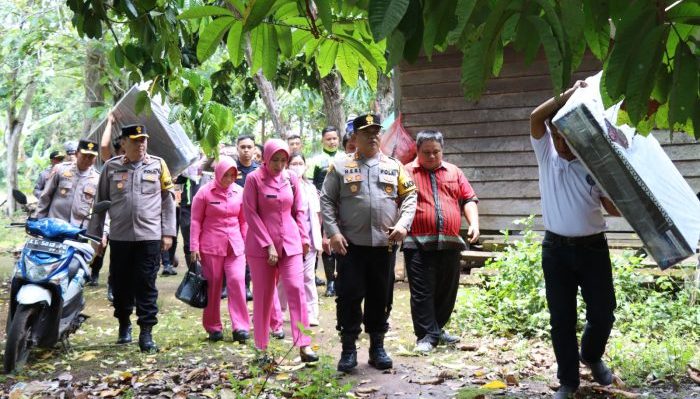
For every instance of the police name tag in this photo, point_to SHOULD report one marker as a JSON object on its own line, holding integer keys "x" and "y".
{"x": 388, "y": 179}
{"x": 352, "y": 178}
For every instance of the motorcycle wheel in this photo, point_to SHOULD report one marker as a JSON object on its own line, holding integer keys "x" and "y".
{"x": 18, "y": 344}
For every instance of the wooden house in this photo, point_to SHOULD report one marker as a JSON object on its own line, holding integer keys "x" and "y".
{"x": 489, "y": 138}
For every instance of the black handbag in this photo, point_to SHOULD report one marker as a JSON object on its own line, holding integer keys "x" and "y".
{"x": 193, "y": 288}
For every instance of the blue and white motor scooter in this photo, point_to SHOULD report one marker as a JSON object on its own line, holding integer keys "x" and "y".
{"x": 46, "y": 293}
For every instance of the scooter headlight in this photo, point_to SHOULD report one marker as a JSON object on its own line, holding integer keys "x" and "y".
{"x": 39, "y": 272}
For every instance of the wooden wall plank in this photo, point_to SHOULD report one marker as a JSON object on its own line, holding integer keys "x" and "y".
{"x": 477, "y": 129}
{"x": 500, "y": 173}
{"x": 481, "y": 115}
{"x": 452, "y": 73}
{"x": 506, "y": 189}
{"x": 414, "y": 106}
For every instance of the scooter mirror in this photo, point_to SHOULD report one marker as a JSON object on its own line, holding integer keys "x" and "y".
{"x": 101, "y": 207}
{"x": 19, "y": 197}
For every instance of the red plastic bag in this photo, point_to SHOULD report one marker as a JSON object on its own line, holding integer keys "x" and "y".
{"x": 396, "y": 142}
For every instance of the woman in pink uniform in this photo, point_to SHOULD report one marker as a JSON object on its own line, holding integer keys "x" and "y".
{"x": 217, "y": 239}
{"x": 276, "y": 243}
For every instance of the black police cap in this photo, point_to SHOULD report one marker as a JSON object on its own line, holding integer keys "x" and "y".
{"x": 365, "y": 121}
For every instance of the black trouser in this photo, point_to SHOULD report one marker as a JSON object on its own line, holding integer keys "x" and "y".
{"x": 185, "y": 222}
{"x": 133, "y": 268}
{"x": 433, "y": 278}
{"x": 567, "y": 264}
{"x": 169, "y": 256}
{"x": 96, "y": 266}
{"x": 364, "y": 273}
{"x": 329, "y": 265}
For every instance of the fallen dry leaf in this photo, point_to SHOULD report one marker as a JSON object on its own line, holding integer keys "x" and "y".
{"x": 511, "y": 380}
{"x": 616, "y": 392}
{"x": 467, "y": 347}
{"x": 495, "y": 385}
{"x": 366, "y": 390}
{"x": 111, "y": 393}
{"x": 429, "y": 381}
{"x": 448, "y": 374}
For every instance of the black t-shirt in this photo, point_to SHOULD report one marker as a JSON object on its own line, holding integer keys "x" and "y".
{"x": 243, "y": 172}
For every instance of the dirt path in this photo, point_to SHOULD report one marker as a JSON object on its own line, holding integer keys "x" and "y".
{"x": 526, "y": 367}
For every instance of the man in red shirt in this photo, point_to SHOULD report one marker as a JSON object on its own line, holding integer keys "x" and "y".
{"x": 432, "y": 248}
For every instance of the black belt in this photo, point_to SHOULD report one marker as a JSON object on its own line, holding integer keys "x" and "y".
{"x": 564, "y": 240}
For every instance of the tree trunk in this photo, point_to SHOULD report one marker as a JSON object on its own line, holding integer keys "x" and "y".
{"x": 267, "y": 93}
{"x": 385, "y": 96}
{"x": 15, "y": 126}
{"x": 265, "y": 88}
{"x": 332, "y": 100}
{"x": 94, "y": 90}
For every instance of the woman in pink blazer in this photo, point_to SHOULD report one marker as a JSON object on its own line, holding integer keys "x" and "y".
{"x": 276, "y": 243}
{"x": 217, "y": 235}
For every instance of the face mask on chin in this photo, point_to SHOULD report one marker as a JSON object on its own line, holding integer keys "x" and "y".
{"x": 298, "y": 169}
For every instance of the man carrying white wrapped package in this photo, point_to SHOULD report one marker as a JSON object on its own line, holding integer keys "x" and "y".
{"x": 574, "y": 251}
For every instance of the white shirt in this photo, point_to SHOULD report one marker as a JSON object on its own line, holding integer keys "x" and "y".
{"x": 312, "y": 204}
{"x": 571, "y": 204}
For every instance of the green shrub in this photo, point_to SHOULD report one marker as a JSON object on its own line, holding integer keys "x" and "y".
{"x": 657, "y": 328}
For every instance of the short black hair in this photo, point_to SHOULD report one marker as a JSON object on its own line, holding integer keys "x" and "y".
{"x": 293, "y": 136}
{"x": 327, "y": 129}
{"x": 245, "y": 137}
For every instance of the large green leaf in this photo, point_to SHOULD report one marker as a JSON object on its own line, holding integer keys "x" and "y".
{"x": 646, "y": 64}
{"x": 270, "y": 48}
{"x": 385, "y": 15}
{"x": 412, "y": 27}
{"x": 395, "y": 47}
{"x": 347, "y": 64}
{"x": 299, "y": 40}
{"x": 286, "y": 11}
{"x": 555, "y": 58}
{"x": 370, "y": 71}
{"x": 527, "y": 39}
{"x": 573, "y": 17}
{"x": 687, "y": 12}
{"x": 257, "y": 45}
{"x": 284, "y": 40}
{"x": 235, "y": 43}
{"x": 324, "y": 11}
{"x": 683, "y": 98}
{"x": 211, "y": 37}
{"x": 596, "y": 28}
{"x": 256, "y": 11}
{"x": 463, "y": 10}
{"x": 238, "y": 5}
{"x": 326, "y": 56}
{"x": 364, "y": 50}
{"x": 204, "y": 11}
{"x": 479, "y": 56}
{"x": 436, "y": 14}
{"x": 474, "y": 71}
{"x": 618, "y": 67}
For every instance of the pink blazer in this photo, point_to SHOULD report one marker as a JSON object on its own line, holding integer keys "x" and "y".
{"x": 276, "y": 215}
{"x": 218, "y": 221}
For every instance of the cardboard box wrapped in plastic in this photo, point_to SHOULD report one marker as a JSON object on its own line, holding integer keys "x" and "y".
{"x": 635, "y": 173}
{"x": 167, "y": 140}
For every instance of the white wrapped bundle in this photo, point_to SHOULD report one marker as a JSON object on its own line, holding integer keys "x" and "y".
{"x": 635, "y": 173}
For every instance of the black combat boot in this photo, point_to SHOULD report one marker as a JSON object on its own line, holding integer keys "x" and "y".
{"x": 330, "y": 289}
{"x": 377, "y": 355}
{"x": 124, "y": 332}
{"x": 348, "y": 357}
{"x": 146, "y": 343}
